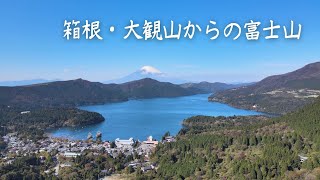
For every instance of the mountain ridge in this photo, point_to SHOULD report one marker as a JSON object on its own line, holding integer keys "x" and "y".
{"x": 25, "y": 82}
{"x": 309, "y": 71}
{"x": 276, "y": 94}
{"x": 209, "y": 87}
{"x": 82, "y": 92}
{"x": 147, "y": 72}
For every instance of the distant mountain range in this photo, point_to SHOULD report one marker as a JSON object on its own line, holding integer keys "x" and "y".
{"x": 147, "y": 72}
{"x": 82, "y": 92}
{"x": 208, "y": 87}
{"x": 142, "y": 73}
{"x": 306, "y": 77}
{"x": 25, "y": 82}
{"x": 276, "y": 94}
{"x": 150, "y": 88}
{"x": 60, "y": 93}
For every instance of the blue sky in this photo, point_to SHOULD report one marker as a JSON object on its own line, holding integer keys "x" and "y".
{"x": 32, "y": 43}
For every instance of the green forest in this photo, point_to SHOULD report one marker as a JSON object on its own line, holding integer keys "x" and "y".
{"x": 235, "y": 147}
{"x": 243, "y": 147}
{"x": 32, "y": 124}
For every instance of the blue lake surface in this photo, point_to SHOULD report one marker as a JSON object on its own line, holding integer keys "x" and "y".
{"x": 142, "y": 118}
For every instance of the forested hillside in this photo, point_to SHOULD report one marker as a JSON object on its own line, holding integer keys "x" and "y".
{"x": 252, "y": 147}
{"x": 32, "y": 123}
{"x": 278, "y": 94}
{"x": 81, "y": 92}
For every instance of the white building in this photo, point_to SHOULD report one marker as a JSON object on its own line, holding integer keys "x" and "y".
{"x": 71, "y": 154}
{"x": 25, "y": 112}
{"x": 150, "y": 140}
{"x": 124, "y": 142}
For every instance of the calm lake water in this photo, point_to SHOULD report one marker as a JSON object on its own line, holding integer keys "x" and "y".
{"x": 142, "y": 118}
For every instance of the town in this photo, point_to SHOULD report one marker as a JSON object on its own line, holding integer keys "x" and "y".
{"x": 62, "y": 152}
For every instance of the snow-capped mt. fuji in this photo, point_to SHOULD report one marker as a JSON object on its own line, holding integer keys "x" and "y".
{"x": 146, "y": 72}
{"x": 149, "y": 70}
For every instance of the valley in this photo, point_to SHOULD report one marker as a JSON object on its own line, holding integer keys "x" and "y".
{"x": 210, "y": 140}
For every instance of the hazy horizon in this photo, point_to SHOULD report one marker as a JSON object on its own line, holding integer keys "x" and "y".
{"x": 233, "y": 80}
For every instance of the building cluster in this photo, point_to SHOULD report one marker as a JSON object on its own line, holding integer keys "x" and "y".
{"x": 72, "y": 148}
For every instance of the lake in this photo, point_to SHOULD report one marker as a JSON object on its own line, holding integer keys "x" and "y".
{"x": 142, "y": 118}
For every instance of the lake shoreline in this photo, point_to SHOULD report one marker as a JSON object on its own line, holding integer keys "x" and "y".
{"x": 138, "y": 118}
